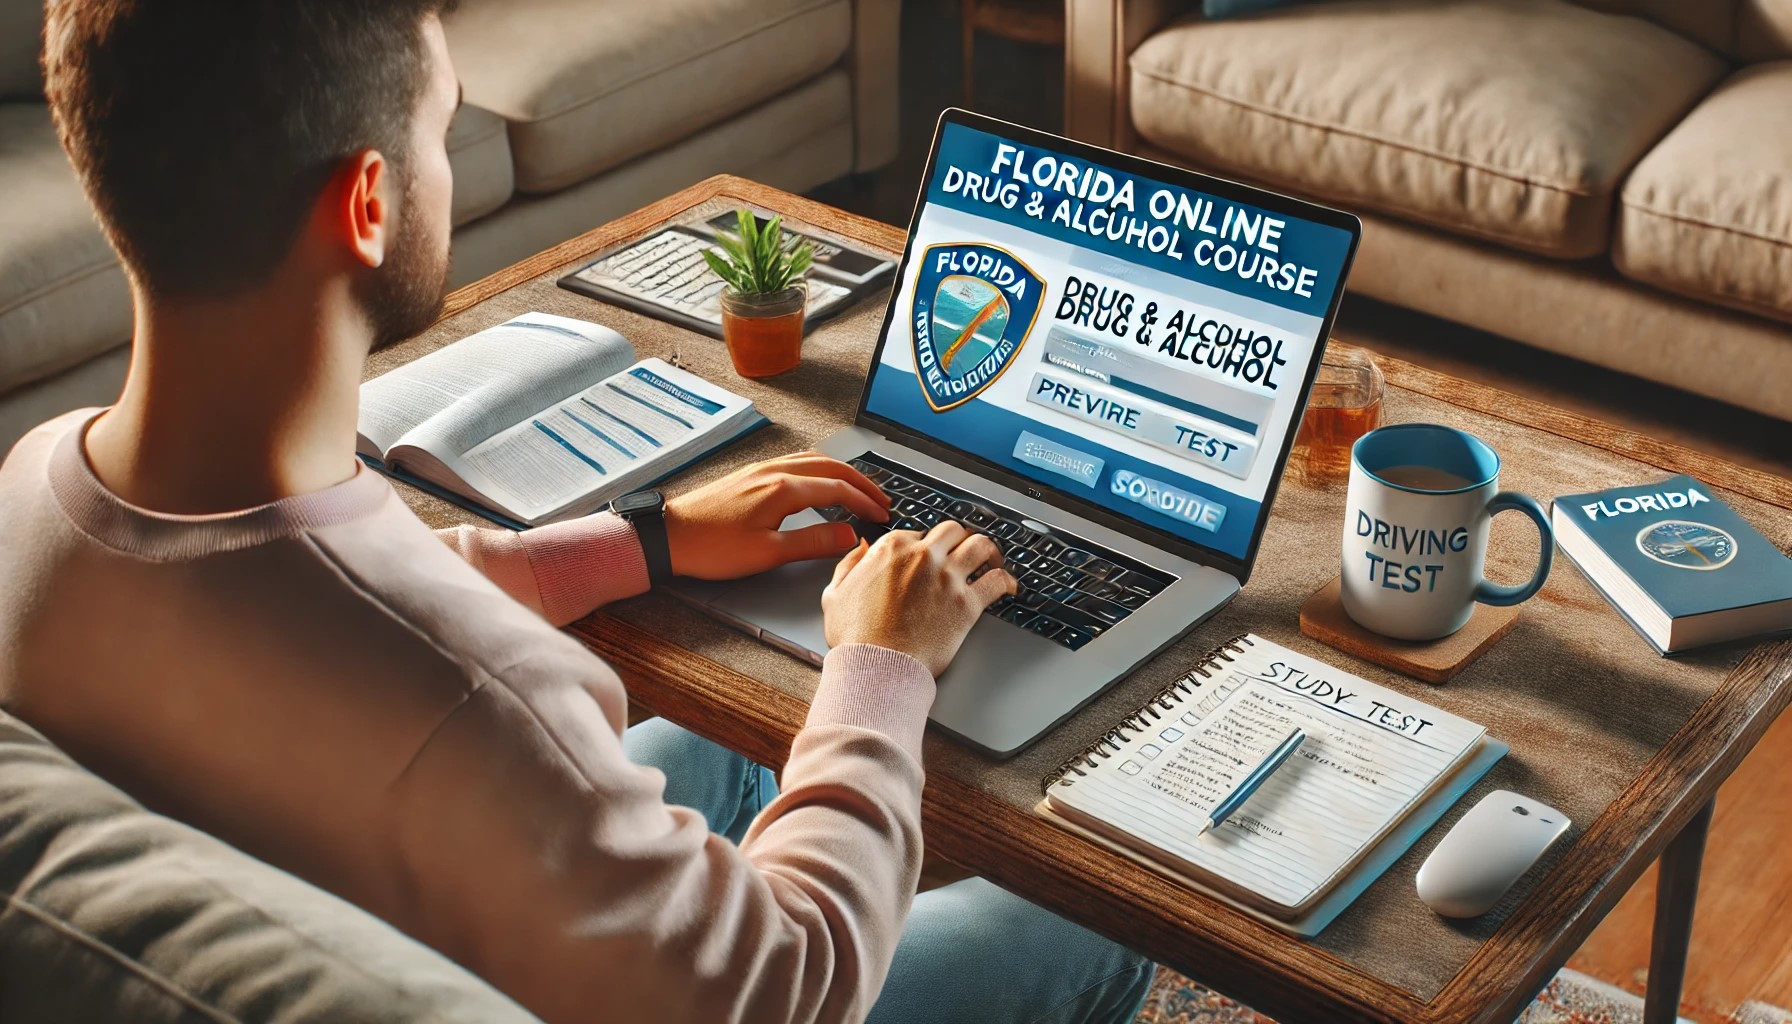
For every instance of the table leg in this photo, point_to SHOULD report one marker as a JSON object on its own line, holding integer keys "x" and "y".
{"x": 1676, "y": 893}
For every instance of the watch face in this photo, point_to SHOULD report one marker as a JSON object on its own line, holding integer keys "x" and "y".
{"x": 1686, "y": 545}
{"x": 640, "y": 501}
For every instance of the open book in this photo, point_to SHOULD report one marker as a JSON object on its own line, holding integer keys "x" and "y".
{"x": 1371, "y": 756}
{"x": 543, "y": 418}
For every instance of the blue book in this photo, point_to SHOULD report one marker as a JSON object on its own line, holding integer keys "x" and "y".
{"x": 1677, "y": 562}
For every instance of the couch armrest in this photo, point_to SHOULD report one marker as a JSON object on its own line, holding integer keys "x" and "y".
{"x": 1099, "y": 37}
{"x": 872, "y": 62}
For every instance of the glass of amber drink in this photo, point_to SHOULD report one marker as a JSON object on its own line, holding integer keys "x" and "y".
{"x": 1346, "y": 404}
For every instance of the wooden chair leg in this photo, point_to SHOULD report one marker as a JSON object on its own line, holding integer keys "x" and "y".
{"x": 1676, "y": 894}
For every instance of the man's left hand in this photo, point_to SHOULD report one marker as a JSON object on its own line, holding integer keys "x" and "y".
{"x": 729, "y": 528}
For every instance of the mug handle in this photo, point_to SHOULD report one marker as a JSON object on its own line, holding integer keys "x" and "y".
{"x": 1489, "y": 592}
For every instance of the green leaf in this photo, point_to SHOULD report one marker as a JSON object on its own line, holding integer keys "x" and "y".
{"x": 800, "y": 263}
{"x": 748, "y": 226}
{"x": 721, "y": 269}
{"x": 762, "y": 260}
{"x": 737, "y": 253}
{"x": 767, "y": 256}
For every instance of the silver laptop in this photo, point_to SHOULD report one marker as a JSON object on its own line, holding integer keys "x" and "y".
{"x": 1099, "y": 361}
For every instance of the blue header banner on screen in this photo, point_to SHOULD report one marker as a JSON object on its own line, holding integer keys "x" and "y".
{"x": 1218, "y": 242}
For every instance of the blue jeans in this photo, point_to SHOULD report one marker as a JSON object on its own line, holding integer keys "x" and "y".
{"x": 971, "y": 952}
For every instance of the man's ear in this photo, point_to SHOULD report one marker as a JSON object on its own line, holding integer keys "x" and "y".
{"x": 364, "y": 209}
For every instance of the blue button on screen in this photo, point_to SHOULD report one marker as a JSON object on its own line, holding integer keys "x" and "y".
{"x": 1171, "y": 501}
{"x": 1061, "y": 459}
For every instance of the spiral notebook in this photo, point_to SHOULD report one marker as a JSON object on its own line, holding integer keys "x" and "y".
{"x": 1377, "y": 769}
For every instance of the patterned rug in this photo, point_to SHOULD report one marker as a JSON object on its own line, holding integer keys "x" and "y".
{"x": 1572, "y": 998}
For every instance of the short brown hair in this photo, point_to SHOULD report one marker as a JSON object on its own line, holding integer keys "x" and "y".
{"x": 204, "y": 130}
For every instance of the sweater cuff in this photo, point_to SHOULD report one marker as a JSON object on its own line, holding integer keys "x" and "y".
{"x": 583, "y": 564}
{"x": 874, "y": 688}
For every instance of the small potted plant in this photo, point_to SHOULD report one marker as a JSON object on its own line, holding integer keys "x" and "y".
{"x": 763, "y": 303}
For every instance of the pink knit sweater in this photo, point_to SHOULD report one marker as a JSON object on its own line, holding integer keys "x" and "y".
{"x": 325, "y": 684}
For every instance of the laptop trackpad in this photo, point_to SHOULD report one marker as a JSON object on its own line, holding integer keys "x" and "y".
{"x": 784, "y": 602}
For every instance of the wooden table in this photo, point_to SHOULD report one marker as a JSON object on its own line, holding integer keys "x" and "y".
{"x": 1636, "y": 755}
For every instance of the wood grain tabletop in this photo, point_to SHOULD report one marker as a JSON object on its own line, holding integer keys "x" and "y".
{"x": 1629, "y": 744}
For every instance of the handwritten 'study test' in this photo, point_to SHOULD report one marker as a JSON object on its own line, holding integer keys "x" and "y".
{"x": 1370, "y": 755}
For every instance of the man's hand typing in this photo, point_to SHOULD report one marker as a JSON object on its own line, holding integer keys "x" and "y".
{"x": 913, "y": 593}
{"x": 729, "y": 528}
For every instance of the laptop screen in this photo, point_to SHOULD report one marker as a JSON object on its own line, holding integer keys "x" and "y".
{"x": 1135, "y": 343}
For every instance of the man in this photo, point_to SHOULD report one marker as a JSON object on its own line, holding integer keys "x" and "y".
{"x": 208, "y": 601}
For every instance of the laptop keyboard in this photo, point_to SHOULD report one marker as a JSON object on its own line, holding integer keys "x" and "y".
{"x": 1071, "y": 591}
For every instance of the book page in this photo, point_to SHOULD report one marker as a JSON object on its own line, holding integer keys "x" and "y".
{"x": 576, "y": 453}
{"x": 1368, "y": 756}
{"x": 451, "y": 399}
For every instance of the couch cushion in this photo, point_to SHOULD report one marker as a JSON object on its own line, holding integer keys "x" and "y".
{"x": 1711, "y": 22}
{"x": 21, "y": 40}
{"x": 588, "y": 84}
{"x": 63, "y": 298}
{"x": 479, "y": 153}
{"x": 110, "y": 912}
{"x": 94, "y": 383}
{"x": 1509, "y": 120}
{"x": 1745, "y": 30}
{"x": 1764, "y": 29}
{"x": 1708, "y": 213}
{"x": 794, "y": 141}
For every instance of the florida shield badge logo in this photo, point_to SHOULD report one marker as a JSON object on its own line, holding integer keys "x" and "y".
{"x": 973, "y": 306}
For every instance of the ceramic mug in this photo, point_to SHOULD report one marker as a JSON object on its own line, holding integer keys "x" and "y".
{"x": 1415, "y": 531}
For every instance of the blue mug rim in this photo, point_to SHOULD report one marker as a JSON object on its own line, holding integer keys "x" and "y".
{"x": 1472, "y": 440}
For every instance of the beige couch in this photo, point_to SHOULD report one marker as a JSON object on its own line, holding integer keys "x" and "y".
{"x": 111, "y": 912}
{"x": 1610, "y": 180}
{"x": 577, "y": 111}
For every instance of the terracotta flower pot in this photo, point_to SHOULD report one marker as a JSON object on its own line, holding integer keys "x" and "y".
{"x": 764, "y": 333}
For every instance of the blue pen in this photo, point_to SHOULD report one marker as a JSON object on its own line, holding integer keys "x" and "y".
{"x": 1243, "y": 791}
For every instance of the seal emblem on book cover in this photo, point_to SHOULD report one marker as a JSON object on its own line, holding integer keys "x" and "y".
{"x": 1686, "y": 545}
{"x": 972, "y": 307}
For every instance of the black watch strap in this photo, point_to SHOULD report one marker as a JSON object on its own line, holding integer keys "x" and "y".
{"x": 646, "y": 512}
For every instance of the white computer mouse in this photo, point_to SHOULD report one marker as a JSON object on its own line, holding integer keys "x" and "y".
{"x": 1493, "y": 845}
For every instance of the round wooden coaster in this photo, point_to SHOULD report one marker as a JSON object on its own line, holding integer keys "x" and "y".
{"x": 1322, "y": 617}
